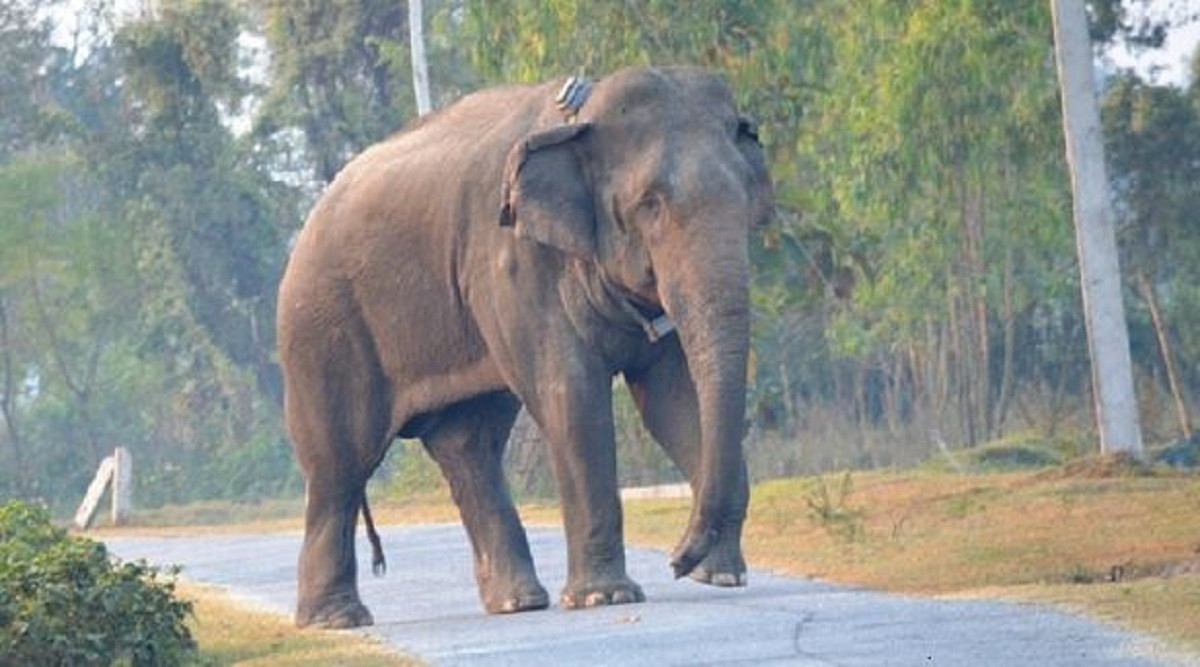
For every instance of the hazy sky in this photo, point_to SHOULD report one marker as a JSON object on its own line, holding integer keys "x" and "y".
{"x": 1170, "y": 64}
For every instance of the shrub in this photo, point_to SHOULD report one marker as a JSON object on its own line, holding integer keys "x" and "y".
{"x": 65, "y": 601}
{"x": 415, "y": 472}
{"x": 831, "y": 509}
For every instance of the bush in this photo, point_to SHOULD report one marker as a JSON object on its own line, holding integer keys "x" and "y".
{"x": 411, "y": 471}
{"x": 65, "y": 601}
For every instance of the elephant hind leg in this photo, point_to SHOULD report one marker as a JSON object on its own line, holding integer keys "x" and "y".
{"x": 328, "y": 591}
{"x": 338, "y": 417}
{"x": 468, "y": 444}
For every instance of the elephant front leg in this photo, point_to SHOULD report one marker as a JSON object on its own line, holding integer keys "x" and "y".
{"x": 666, "y": 398}
{"x": 328, "y": 594}
{"x": 576, "y": 418}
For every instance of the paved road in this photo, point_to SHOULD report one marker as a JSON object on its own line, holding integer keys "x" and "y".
{"x": 427, "y": 606}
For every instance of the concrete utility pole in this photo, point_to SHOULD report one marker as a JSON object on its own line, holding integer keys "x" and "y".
{"x": 1100, "y": 276}
{"x": 420, "y": 65}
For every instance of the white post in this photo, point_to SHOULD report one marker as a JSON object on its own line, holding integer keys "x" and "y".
{"x": 1100, "y": 278}
{"x": 420, "y": 66}
{"x": 122, "y": 488}
{"x": 117, "y": 469}
{"x": 87, "y": 509}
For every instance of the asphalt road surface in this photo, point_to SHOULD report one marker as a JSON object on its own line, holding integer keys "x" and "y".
{"x": 427, "y": 606}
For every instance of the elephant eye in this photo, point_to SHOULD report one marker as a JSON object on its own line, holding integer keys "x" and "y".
{"x": 747, "y": 127}
{"x": 649, "y": 206}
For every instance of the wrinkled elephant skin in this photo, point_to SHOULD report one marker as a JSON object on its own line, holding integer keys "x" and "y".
{"x": 497, "y": 254}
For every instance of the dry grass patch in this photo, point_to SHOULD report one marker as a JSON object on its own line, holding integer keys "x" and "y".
{"x": 1122, "y": 542}
{"x": 230, "y": 632}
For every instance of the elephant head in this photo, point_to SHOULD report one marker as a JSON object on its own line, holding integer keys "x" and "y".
{"x": 656, "y": 182}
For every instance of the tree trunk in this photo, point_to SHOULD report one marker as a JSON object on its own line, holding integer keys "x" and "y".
{"x": 1010, "y": 335}
{"x": 79, "y": 385}
{"x": 1168, "y": 358}
{"x": 8, "y": 397}
{"x": 791, "y": 421}
{"x": 958, "y": 373}
{"x": 982, "y": 377}
{"x": 1104, "y": 313}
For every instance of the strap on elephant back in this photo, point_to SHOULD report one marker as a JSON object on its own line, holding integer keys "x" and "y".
{"x": 572, "y": 97}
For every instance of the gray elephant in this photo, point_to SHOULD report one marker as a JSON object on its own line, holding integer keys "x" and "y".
{"x": 524, "y": 246}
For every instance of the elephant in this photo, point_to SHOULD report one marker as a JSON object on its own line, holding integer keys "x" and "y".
{"x": 524, "y": 246}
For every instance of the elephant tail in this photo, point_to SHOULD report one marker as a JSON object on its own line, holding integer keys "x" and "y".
{"x": 378, "y": 562}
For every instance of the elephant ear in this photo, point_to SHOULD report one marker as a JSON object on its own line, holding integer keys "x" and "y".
{"x": 545, "y": 196}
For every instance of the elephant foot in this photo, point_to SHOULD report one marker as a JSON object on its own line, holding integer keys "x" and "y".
{"x": 510, "y": 585}
{"x": 718, "y": 578}
{"x": 724, "y": 565}
{"x": 335, "y": 615}
{"x": 620, "y": 591}
{"x": 692, "y": 550}
{"x": 528, "y": 597}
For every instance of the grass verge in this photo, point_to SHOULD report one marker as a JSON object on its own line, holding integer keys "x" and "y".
{"x": 1121, "y": 543}
{"x": 231, "y": 632}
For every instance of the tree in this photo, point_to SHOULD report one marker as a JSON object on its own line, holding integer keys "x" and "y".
{"x": 1108, "y": 342}
{"x": 1152, "y": 136}
{"x": 916, "y": 284}
{"x": 335, "y": 68}
{"x": 933, "y": 189}
{"x": 139, "y": 251}
{"x": 209, "y": 207}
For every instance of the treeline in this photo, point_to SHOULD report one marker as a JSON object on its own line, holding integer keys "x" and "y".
{"x": 916, "y": 289}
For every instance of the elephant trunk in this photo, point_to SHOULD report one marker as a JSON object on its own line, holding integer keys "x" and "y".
{"x": 713, "y": 316}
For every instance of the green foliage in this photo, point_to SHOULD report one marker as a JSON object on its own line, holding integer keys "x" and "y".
{"x": 916, "y": 286}
{"x": 262, "y": 467}
{"x": 213, "y": 222}
{"x": 1152, "y": 135}
{"x": 937, "y": 119}
{"x": 339, "y": 76}
{"x": 1015, "y": 457}
{"x": 183, "y": 59}
{"x": 528, "y": 41}
{"x": 640, "y": 460}
{"x": 25, "y": 32}
{"x": 413, "y": 471}
{"x": 65, "y": 601}
{"x": 139, "y": 253}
